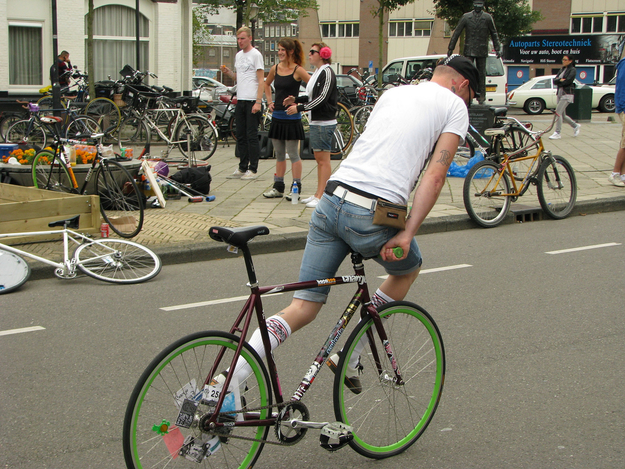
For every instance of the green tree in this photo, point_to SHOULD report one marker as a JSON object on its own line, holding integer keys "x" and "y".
{"x": 268, "y": 10}
{"x": 201, "y": 35}
{"x": 512, "y": 17}
{"x": 384, "y": 7}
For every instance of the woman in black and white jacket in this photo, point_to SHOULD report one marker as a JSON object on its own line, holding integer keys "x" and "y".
{"x": 320, "y": 100}
{"x": 564, "y": 80}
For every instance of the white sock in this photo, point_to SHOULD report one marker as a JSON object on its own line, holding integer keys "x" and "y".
{"x": 279, "y": 331}
{"x": 615, "y": 174}
{"x": 379, "y": 299}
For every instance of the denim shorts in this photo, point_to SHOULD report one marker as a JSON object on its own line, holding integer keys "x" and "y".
{"x": 321, "y": 137}
{"x": 338, "y": 227}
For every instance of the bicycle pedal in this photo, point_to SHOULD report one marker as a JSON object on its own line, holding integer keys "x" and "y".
{"x": 335, "y": 435}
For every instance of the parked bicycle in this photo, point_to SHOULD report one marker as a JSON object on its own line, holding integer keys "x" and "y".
{"x": 109, "y": 260}
{"x": 121, "y": 201}
{"x": 492, "y": 185}
{"x": 179, "y": 414}
{"x": 136, "y": 128}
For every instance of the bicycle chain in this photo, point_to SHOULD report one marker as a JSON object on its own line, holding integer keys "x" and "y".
{"x": 247, "y": 438}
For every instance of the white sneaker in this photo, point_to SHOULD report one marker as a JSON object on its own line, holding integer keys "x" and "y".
{"x": 238, "y": 174}
{"x": 308, "y": 199}
{"x": 313, "y": 203}
{"x": 249, "y": 175}
{"x": 273, "y": 194}
{"x": 616, "y": 180}
{"x": 555, "y": 136}
{"x": 578, "y": 127}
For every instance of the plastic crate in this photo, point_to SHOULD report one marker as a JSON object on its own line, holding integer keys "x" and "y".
{"x": 7, "y": 148}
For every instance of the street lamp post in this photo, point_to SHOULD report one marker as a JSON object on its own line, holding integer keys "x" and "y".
{"x": 253, "y": 15}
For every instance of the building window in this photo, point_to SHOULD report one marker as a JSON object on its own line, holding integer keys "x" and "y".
{"x": 212, "y": 52}
{"x": 344, "y": 29}
{"x": 114, "y": 40}
{"x": 409, "y": 28}
{"x": 615, "y": 24}
{"x": 293, "y": 30}
{"x": 588, "y": 24}
{"x": 25, "y": 54}
{"x": 272, "y": 31}
{"x": 226, "y": 52}
{"x": 422, "y": 28}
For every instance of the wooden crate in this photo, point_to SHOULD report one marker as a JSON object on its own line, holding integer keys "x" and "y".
{"x": 29, "y": 209}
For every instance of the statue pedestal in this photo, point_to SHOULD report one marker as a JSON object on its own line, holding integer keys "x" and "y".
{"x": 481, "y": 117}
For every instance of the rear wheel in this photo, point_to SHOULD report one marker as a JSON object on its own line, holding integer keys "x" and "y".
{"x": 344, "y": 132}
{"x": 105, "y": 112}
{"x": 387, "y": 418}
{"x": 203, "y": 137}
{"x": 133, "y": 133}
{"x": 484, "y": 194}
{"x": 121, "y": 201}
{"x": 534, "y": 106}
{"x": 27, "y": 132}
{"x": 557, "y": 187}
{"x": 117, "y": 261}
{"x": 82, "y": 127}
{"x": 176, "y": 377}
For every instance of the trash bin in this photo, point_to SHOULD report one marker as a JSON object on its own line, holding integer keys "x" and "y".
{"x": 580, "y": 109}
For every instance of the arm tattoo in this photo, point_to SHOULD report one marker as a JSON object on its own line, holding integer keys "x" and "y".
{"x": 445, "y": 158}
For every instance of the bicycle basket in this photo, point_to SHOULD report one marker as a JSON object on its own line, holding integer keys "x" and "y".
{"x": 188, "y": 103}
{"x": 127, "y": 71}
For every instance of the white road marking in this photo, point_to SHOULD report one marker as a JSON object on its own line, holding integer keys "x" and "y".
{"x": 211, "y": 302}
{"x": 23, "y": 329}
{"x": 437, "y": 269}
{"x": 583, "y": 248}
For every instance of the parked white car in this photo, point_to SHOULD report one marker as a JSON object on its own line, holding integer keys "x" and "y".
{"x": 539, "y": 94}
{"x": 210, "y": 88}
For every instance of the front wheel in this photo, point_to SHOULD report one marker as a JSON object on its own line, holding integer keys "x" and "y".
{"x": 557, "y": 187}
{"x": 117, "y": 261}
{"x": 82, "y": 128}
{"x": 387, "y": 418}
{"x": 344, "y": 133}
{"x": 199, "y": 133}
{"x": 133, "y": 133}
{"x": 121, "y": 201}
{"x": 154, "y": 433}
{"x": 49, "y": 173}
{"x": 534, "y": 106}
{"x": 486, "y": 194}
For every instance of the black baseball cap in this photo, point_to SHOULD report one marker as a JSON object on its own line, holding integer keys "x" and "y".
{"x": 464, "y": 67}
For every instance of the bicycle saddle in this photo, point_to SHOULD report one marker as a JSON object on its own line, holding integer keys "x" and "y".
{"x": 499, "y": 111}
{"x": 71, "y": 222}
{"x": 237, "y": 237}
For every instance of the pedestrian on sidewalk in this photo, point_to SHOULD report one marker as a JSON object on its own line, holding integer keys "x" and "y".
{"x": 286, "y": 131}
{"x": 321, "y": 98}
{"x": 63, "y": 67}
{"x": 249, "y": 76}
{"x": 618, "y": 173}
{"x": 564, "y": 80}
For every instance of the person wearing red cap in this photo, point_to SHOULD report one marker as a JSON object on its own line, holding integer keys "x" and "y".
{"x": 412, "y": 134}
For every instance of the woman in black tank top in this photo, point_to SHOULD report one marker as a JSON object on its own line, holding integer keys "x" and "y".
{"x": 286, "y": 131}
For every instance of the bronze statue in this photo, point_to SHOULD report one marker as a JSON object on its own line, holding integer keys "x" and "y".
{"x": 479, "y": 25}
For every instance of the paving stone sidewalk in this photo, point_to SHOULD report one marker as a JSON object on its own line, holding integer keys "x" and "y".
{"x": 179, "y": 232}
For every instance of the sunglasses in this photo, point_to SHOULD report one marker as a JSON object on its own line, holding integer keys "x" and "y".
{"x": 313, "y": 51}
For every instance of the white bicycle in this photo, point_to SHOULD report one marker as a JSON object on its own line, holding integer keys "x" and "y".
{"x": 109, "y": 259}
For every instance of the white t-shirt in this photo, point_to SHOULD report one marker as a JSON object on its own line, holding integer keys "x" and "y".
{"x": 401, "y": 134}
{"x": 246, "y": 64}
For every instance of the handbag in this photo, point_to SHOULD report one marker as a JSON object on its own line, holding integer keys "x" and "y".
{"x": 389, "y": 214}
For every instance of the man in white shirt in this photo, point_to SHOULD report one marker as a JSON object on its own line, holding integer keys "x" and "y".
{"x": 250, "y": 78}
{"x": 410, "y": 127}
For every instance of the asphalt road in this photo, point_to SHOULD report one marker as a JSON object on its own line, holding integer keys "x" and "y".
{"x": 534, "y": 342}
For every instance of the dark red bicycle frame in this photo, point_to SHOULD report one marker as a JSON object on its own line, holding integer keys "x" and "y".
{"x": 360, "y": 299}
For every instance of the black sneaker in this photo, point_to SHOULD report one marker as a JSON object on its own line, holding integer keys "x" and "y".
{"x": 352, "y": 380}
